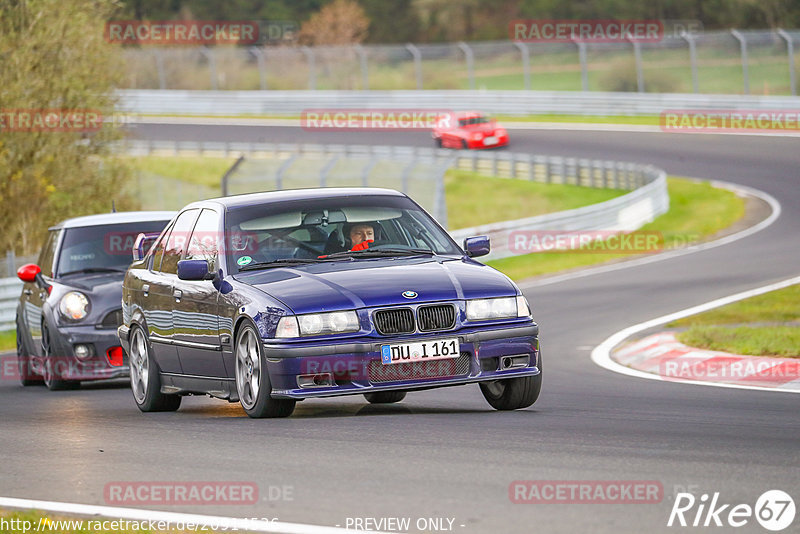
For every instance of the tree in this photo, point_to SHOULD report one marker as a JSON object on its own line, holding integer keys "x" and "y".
{"x": 53, "y": 59}
{"x": 342, "y": 22}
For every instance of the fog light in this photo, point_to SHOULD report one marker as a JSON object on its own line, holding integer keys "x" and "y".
{"x": 83, "y": 352}
{"x": 114, "y": 355}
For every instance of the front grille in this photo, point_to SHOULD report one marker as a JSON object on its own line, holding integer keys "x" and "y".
{"x": 440, "y": 317}
{"x": 112, "y": 319}
{"x": 397, "y": 321}
{"x": 450, "y": 367}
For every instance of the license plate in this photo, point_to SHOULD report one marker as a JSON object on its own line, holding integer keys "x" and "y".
{"x": 438, "y": 349}
{"x": 490, "y": 140}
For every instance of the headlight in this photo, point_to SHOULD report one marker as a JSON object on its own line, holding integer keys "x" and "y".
{"x": 316, "y": 324}
{"x": 74, "y": 306}
{"x": 501, "y": 308}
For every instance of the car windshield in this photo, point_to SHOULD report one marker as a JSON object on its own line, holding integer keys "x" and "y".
{"x": 329, "y": 229}
{"x": 101, "y": 248}
{"x": 472, "y": 121}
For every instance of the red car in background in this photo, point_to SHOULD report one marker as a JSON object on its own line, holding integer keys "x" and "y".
{"x": 468, "y": 129}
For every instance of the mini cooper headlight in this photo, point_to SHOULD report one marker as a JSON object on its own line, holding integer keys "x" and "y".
{"x": 74, "y": 305}
{"x": 315, "y": 324}
{"x": 499, "y": 308}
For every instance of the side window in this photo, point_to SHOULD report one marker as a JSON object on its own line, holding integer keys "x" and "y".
{"x": 48, "y": 253}
{"x": 175, "y": 246}
{"x": 204, "y": 244}
{"x": 158, "y": 252}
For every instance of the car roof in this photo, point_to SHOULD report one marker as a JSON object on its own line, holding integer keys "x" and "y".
{"x": 120, "y": 217}
{"x": 468, "y": 114}
{"x": 285, "y": 195}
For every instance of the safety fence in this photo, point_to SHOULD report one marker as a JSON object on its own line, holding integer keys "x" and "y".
{"x": 735, "y": 61}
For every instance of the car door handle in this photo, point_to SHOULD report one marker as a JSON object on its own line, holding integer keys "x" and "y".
{"x": 177, "y": 293}
{"x": 146, "y": 289}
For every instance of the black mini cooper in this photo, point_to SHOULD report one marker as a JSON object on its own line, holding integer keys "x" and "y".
{"x": 69, "y": 310}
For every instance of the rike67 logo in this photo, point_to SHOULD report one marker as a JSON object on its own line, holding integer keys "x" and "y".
{"x": 774, "y": 510}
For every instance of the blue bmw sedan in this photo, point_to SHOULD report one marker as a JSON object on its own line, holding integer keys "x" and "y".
{"x": 270, "y": 298}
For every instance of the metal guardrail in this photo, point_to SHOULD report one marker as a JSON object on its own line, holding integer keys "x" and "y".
{"x": 648, "y": 197}
{"x": 10, "y": 289}
{"x": 293, "y": 103}
{"x": 681, "y": 61}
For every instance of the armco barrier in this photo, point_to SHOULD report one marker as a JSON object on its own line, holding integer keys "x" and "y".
{"x": 10, "y": 289}
{"x": 292, "y": 103}
{"x": 647, "y": 199}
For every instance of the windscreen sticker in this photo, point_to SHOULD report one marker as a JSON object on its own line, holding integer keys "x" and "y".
{"x": 244, "y": 260}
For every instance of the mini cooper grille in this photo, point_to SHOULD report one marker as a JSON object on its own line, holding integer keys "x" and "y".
{"x": 440, "y": 317}
{"x": 451, "y": 367}
{"x": 399, "y": 321}
{"x": 112, "y": 319}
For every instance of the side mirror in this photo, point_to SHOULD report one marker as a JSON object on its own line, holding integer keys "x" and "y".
{"x": 142, "y": 245}
{"x": 477, "y": 246}
{"x": 194, "y": 270}
{"x": 28, "y": 273}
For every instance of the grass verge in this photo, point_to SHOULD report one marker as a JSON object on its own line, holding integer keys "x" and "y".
{"x": 764, "y": 325}
{"x": 719, "y": 208}
{"x": 474, "y": 199}
{"x": 8, "y": 340}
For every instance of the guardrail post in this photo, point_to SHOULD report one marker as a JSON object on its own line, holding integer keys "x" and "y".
{"x": 637, "y": 57}
{"x": 226, "y": 177}
{"x": 689, "y": 38}
{"x": 282, "y": 170}
{"x": 415, "y": 53}
{"x": 162, "y": 76}
{"x": 312, "y": 67}
{"x": 326, "y": 170}
{"x": 584, "y": 68}
{"x": 526, "y": 64}
{"x": 470, "y": 62}
{"x": 262, "y": 69}
{"x": 362, "y": 59}
{"x": 743, "y": 47}
{"x": 212, "y": 65}
{"x": 790, "y": 54}
{"x": 531, "y": 170}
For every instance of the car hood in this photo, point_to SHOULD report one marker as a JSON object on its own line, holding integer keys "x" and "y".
{"x": 98, "y": 283}
{"x": 378, "y": 282}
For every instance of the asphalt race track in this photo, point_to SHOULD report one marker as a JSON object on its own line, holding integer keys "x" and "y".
{"x": 445, "y": 453}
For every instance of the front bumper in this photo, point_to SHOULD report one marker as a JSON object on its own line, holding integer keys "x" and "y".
{"x": 356, "y": 368}
{"x": 96, "y": 367}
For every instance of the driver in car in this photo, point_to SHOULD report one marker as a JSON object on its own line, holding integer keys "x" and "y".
{"x": 361, "y": 235}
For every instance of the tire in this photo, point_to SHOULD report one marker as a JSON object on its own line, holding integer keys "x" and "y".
{"x": 252, "y": 378}
{"x": 145, "y": 377}
{"x": 385, "y": 397}
{"x": 26, "y": 375}
{"x": 51, "y": 377}
{"x": 438, "y": 141}
{"x": 513, "y": 393}
{"x": 464, "y": 145}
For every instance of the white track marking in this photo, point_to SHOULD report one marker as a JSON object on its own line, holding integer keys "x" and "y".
{"x": 601, "y": 355}
{"x": 136, "y": 514}
{"x": 739, "y": 189}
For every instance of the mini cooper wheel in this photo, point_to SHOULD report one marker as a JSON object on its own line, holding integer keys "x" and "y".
{"x": 385, "y": 397}
{"x": 52, "y": 371}
{"x": 26, "y": 375}
{"x": 145, "y": 379}
{"x": 252, "y": 378}
{"x": 513, "y": 393}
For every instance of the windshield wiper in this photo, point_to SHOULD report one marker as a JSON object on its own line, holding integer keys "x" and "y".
{"x": 377, "y": 253}
{"x": 93, "y": 270}
{"x": 283, "y": 262}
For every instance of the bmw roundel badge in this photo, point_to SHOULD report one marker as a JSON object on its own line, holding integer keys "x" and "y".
{"x": 410, "y": 294}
